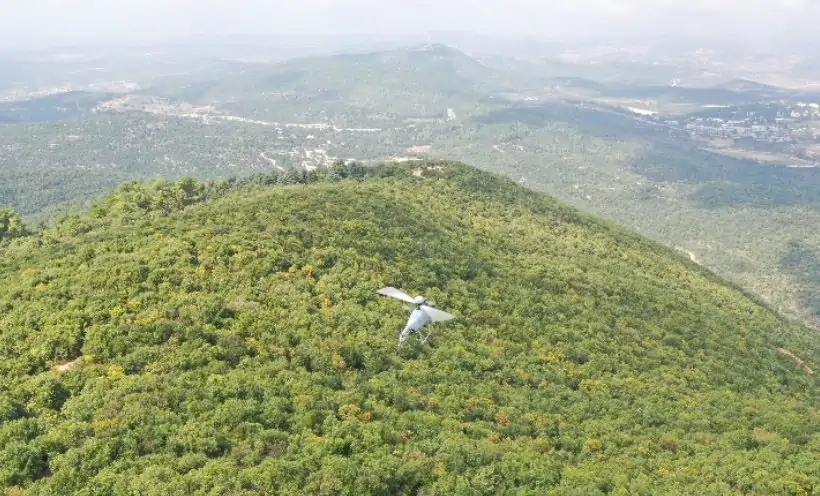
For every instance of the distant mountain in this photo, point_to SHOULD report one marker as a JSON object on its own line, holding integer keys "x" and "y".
{"x": 758, "y": 91}
{"x": 190, "y": 338}
{"x": 740, "y": 84}
{"x": 734, "y": 93}
{"x": 688, "y": 95}
{"x": 411, "y": 81}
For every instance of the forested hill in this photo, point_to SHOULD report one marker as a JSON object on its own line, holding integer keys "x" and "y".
{"x": 226, "y": 338}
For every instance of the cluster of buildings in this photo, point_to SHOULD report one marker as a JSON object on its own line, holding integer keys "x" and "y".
{"x": 774, "y": 124}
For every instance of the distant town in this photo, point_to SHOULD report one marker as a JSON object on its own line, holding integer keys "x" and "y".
{"x": 766, "y": 131}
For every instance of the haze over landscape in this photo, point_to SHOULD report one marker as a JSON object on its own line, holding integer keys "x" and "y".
{"x": 617, "y": 200}
{"x": 138, "y": 21}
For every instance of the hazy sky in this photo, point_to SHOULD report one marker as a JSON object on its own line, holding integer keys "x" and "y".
{"x": 140, "y": 20}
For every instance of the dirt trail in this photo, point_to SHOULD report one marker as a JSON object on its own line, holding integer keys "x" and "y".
{"x": 68, "y": 366}
{"x": 800, "y": 363}
{"x": 692, "y": 256}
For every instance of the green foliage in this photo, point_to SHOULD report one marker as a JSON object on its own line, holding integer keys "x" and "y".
{"x": 11, "y": 225}
{"x": 88, "y": 157}
{"x": 392, "y": 85}
{"x": 133, "y": 200}
{"x": 49, "y": 108}
{"x": 737, "y": 217}
{"x": 179, "y": 341}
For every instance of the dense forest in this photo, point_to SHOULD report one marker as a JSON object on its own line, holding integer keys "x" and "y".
{"x": 225, "y": 338}
{"x": 740, "y": 218}
{"x": 737, "y": 217}
{"x": 368, "y": 87}
{"x": 49, "y": 164}
{"x": 50, "y": 108}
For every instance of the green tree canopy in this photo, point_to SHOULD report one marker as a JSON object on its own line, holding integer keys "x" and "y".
{"x": 169, "y": 343}
{"x": 11, "y": 224}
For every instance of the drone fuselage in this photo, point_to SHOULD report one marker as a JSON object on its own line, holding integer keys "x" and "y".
{"x": 424, "y": 313}
{"x": 417, "y": 320}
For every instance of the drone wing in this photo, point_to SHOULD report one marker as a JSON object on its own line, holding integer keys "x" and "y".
{"x": 437, "y": 315}
{"x": 396, "y": 293}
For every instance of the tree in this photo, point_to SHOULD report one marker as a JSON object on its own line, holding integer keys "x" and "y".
{"x": 293, "y": 176}
{"x": 11, "y": 224}
{"x": 333, "y": 175}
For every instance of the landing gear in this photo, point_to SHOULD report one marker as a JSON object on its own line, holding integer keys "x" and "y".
{"x": 422, "y": 338}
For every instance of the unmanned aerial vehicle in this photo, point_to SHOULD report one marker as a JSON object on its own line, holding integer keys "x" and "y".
{"x": 423, "y": 314}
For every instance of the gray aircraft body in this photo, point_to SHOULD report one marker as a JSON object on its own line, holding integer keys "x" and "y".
{"x": 423, "y": 314}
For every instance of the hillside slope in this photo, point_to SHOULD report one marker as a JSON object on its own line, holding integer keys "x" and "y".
{"x": 745, "y": 220}
{"x": 169, "y": 344}
{"x": 751, "y": 222}
{"x": 413, "y": 82}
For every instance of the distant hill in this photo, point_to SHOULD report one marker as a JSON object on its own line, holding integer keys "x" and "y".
{"x": 761, "y": 90}
{"x": 227, "y": 338}
{"x": 734, "y": 92}
{"x": 679, "y": 94}
{"x": 416, "y": 81}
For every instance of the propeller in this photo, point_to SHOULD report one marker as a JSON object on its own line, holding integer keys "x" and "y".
{"x": 397, "y": 293}
{"x": 416, "y": 321}
{"x": 437, "y": 315}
